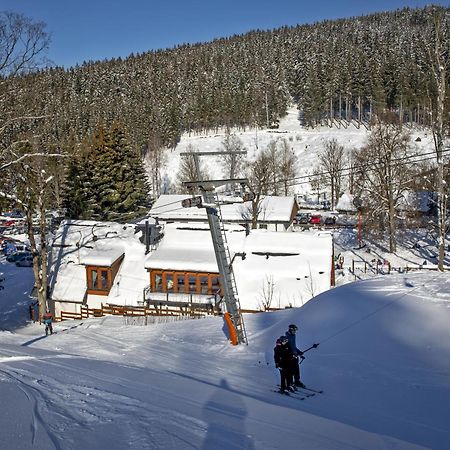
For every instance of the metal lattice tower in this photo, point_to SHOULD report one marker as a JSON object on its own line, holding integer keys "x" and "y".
{"x": 220, "y": 244}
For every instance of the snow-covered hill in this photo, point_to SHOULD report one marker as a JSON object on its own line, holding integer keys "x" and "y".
{"x": 307, "y": 143}
{"x": 383, "y": 363}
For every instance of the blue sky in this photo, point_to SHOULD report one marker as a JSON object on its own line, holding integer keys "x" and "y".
{"x": 84, "y": 30}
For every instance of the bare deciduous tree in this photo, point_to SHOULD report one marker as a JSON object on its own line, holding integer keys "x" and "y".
{"x": 267, "y": 293}
{"x": 317, "y": 182}
{"x": 232, "y": 163}
{"x": 259, "y": 174}
{"x": 384, "y": 174}
{"x": 438, "y": 53}
{"x": 31, "y": 187}
{"x": 189, "y": 171}
{"x": 155, "y": 159}
{"x": 332, "y": 161}
{"x": 25, "y": 168}
{"x": 287, "y": 166}
{"x": 22, "y": 43}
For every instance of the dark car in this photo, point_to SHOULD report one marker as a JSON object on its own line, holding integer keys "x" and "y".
{"x": 330, "y": 220}
{"x": 25, "y": 262}
{"x": 17, "y": 256}
{"x": 302, "y": 218}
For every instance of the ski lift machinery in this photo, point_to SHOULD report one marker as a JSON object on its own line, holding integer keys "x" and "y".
{"x": 209, "y": 201}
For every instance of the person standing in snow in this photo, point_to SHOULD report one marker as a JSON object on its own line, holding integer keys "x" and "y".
{"x": 47, "y": 319}
{"x": 283, "y": 362}
{"x": 297, "y": 354}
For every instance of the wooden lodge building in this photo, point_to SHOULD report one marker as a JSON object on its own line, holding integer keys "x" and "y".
{"x": 274, "y": 213}
{"x": 95, "y": 264}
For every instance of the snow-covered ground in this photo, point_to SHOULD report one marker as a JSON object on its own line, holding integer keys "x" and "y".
{"x": 383, "y": 363}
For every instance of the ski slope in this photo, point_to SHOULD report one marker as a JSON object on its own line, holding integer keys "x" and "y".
{"x": 383, "y": 363}
{"x": 306, "y": 143}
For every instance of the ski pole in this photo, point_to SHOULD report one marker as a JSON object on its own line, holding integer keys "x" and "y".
{"x": 310, "y": 348}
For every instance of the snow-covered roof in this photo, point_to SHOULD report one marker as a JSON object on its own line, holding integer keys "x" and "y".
{"x": 189, "y": 246}
{"x": 345, "y": 203}
{"x": 275, "y": 209}
{"x": 297, "y": 263}
{"x": 78, "y": 243}
{"x": 106, "y": 259}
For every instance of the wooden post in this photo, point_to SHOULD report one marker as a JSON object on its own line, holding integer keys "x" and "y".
{"x": 359, "y": 227}
{"x": 333, "y": 273}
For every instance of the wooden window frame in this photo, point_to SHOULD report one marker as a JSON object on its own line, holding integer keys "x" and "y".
{"x": 177, "y": 274}
{"x": 99, "y": 290}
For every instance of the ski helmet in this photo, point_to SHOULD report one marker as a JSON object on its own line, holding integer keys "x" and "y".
{"x": 293, "y": 327}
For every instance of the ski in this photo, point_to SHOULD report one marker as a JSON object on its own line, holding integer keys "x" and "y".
{"x": 316, "y": 391}
{"x": 297, "y": 395}
{"x": 298, "y": 390}
{"x": 304, "y": 392}
{"x": 288, "y": 394}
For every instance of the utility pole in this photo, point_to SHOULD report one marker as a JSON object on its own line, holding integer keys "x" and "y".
{"x": 221, "y": 250}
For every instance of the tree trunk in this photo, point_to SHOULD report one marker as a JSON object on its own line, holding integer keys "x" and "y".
{"x": 255, "y": 207}
{"x": 37, "y": 262}
{"x": 41, "y": 281}
{"x": 439, "y": 66}
{"x": 392, "y": 227}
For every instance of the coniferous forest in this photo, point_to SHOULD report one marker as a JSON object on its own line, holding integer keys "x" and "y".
{"x": 336, "y": 71}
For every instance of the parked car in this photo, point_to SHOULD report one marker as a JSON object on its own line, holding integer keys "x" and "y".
{"x": 8, "y": 223}
{"x": 315, "y": 219}
{"x": 330, "y": 220}
{"x": 17, "y": 256}
{"x": 302, "y": 218}
{"x": 25, "y": 262}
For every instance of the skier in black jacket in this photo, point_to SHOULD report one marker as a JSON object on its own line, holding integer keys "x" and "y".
{"x": 283, "y": 362}
{"x": 295, "y": 368}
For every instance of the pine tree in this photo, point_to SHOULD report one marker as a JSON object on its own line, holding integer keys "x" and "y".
{"x": 106, "y": 180}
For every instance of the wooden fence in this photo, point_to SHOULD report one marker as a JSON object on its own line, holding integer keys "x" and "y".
{"x": 181, "y": 310}
{"x": 385, "y": 267}
{"x": 192, "y": 311}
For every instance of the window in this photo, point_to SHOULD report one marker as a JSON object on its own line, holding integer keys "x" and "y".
{"x": 215, "y": 285}
{"x": 94, "y": 280}
{"x": 192, "y": 280}
{"x": 203, "y": 284}
{"x": 99, "y": 280}
{"x": 168, "y": 284}
{"x": 104, "y": 279}
{"x": 157, "y": 281}
{"x": 181, "y": 282}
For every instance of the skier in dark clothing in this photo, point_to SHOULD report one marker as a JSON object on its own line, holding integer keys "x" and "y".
{"x": 283, "y": 362}
{"x": 297, "y": 354}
